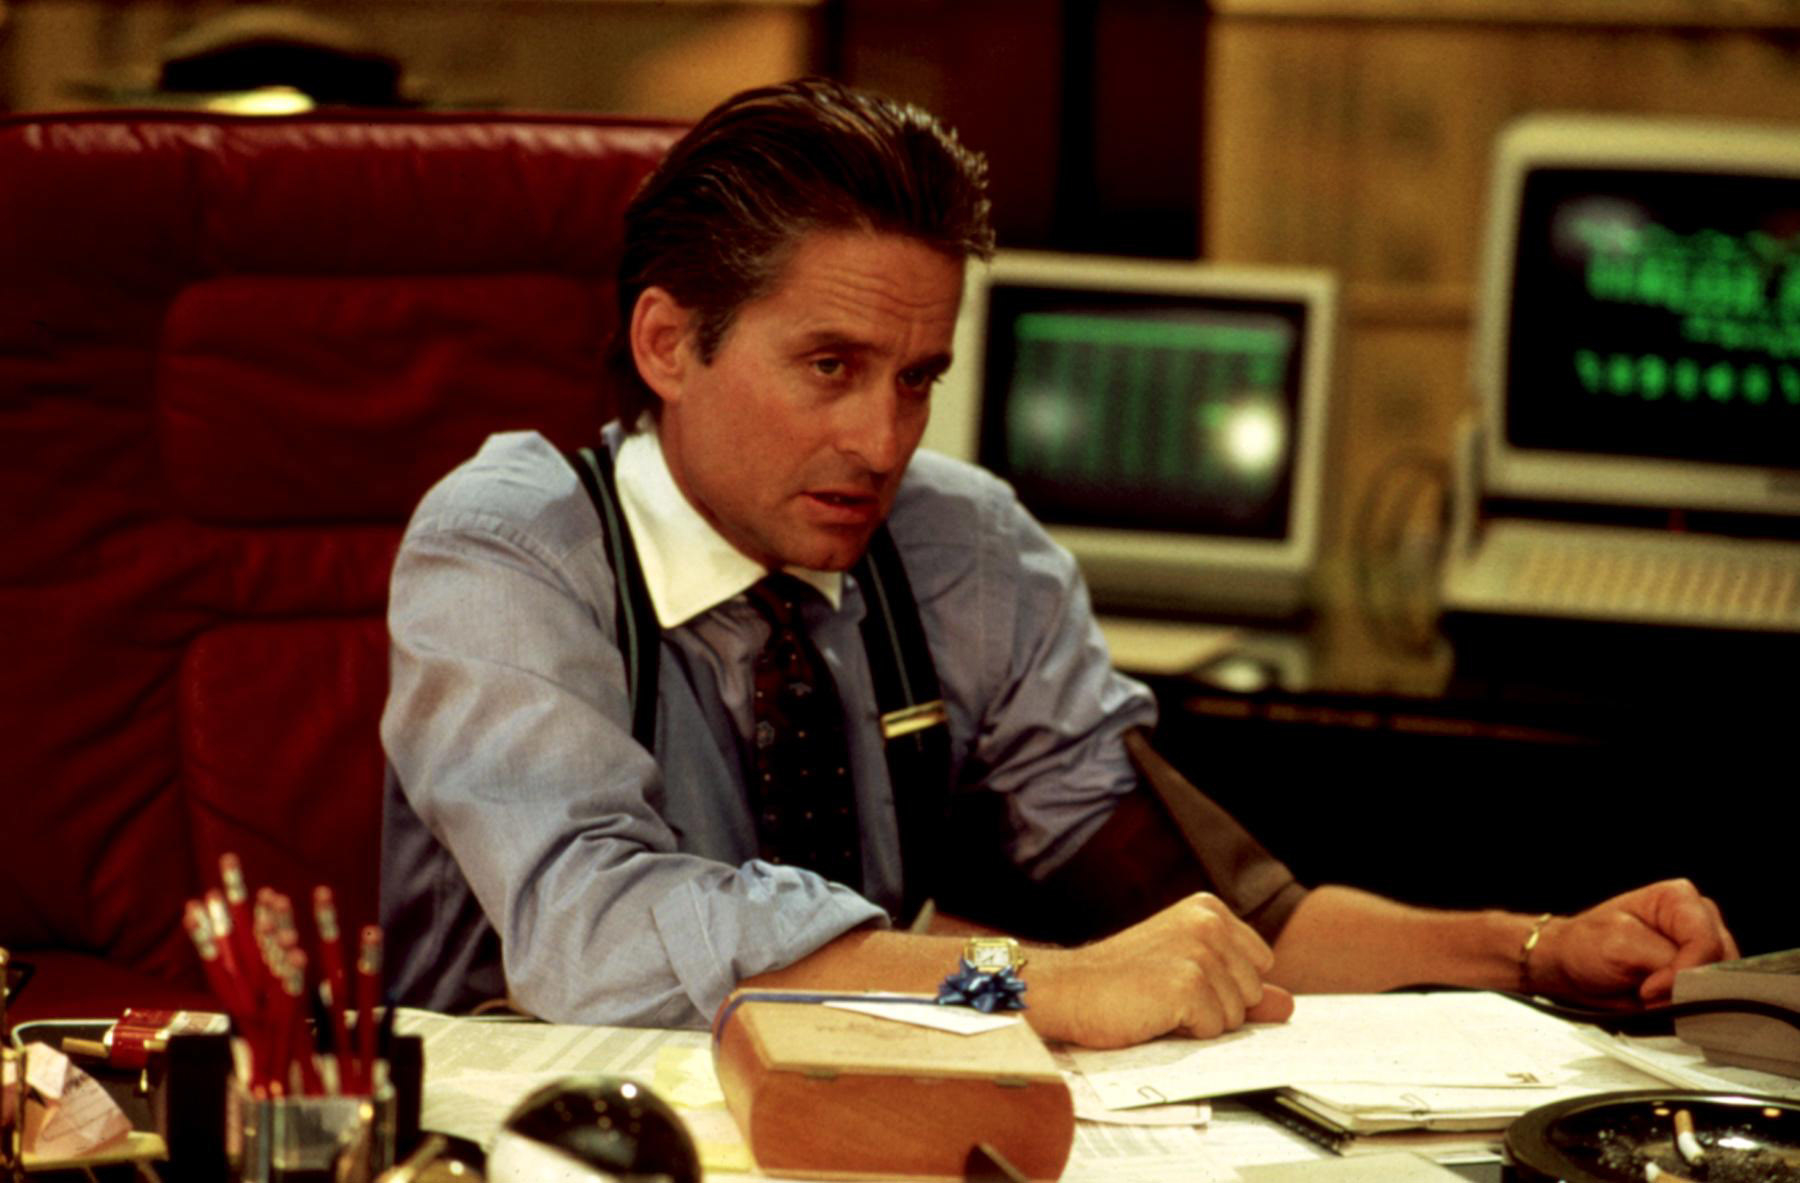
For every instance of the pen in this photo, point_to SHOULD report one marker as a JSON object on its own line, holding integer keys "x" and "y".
{"x": 368, "y": 990}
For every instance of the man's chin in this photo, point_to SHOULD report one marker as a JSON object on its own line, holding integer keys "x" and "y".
{"x": 831, "y": 549}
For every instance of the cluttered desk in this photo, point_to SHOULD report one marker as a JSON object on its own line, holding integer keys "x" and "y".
{"x": 1404, "y": 1087}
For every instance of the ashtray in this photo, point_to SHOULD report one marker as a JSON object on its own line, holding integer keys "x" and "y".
{"x": 1658, "y": 1136}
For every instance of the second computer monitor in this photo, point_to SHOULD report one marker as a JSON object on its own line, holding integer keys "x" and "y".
{"x": 1638, "y": 342}
{"x": 1165, "y": 420}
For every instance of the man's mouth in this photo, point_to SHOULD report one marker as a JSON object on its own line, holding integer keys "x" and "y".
{"x": 837, "y": 507}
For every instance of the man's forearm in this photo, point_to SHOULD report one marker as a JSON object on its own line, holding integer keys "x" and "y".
{"x": 869, "y": 959}
{"x": 1192, "y": 969}
{"x": 916, "y": 963}
{"x": 1341, "y": 940}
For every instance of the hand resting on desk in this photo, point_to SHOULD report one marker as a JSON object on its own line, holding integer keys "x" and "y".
{"x": 1191, "y": 969}
{"x": 1623, "y": 950}
{"x": 1628, "y": 948}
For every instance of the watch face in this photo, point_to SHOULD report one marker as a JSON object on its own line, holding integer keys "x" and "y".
{"x": 990, "y": 954}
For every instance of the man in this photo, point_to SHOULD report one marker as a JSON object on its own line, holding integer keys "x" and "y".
{"x": 788, "y": 290}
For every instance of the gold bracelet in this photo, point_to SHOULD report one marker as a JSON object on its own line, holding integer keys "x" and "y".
{"x": 1531, "y": 941}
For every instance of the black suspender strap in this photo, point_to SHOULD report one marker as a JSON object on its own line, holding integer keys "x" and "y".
{"x": 640, "y": 637}
{"x": 914, "y": 722}
{"x": 913, "y": 719}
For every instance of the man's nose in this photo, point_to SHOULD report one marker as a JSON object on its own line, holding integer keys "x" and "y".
{"x": 873, "y": 430}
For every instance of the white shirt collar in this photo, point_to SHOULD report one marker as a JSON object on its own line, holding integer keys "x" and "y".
{"x": 688, "y": 566}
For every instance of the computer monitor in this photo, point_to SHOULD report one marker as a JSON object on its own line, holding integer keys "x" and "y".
{"x": 1638, "y": 341}
{"x": 1165, "y": 421}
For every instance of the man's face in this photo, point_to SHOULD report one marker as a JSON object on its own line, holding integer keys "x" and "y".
{"x": 793, "y": 440}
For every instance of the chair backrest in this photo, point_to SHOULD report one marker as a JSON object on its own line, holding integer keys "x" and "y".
{"x": 233, "y": 354}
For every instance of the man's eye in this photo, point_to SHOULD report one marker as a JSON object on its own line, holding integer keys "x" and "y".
{"x": 920, "y": 381}
{"x": 830, "y": 367}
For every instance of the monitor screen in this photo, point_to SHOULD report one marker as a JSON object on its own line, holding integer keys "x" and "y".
{"x": 1107, "y": 409}
{"x": 1162, "y": 419}
{"x": 1641, "y": 324}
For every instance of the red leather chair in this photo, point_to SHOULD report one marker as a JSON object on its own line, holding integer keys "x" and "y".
{"x": 233, "y": 354}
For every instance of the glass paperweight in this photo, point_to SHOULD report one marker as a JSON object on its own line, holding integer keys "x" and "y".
{"x": 592, "y": 1128}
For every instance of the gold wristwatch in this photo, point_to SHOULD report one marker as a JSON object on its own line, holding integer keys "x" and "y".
{"x": 992, "y": 955}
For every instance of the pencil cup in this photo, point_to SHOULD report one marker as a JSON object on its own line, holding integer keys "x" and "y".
{"x": 308, "y": 1139}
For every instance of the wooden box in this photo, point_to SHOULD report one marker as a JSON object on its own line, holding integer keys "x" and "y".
{"x": 823, "y": 1092}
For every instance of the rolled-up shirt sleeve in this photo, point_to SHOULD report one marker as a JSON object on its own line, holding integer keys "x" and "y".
{"x": 508, "y": 730}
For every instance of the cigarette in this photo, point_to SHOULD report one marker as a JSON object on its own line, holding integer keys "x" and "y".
{"x": 1684, "y": 1137}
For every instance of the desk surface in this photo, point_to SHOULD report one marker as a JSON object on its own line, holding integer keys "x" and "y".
{"x": 477, "y": 1069}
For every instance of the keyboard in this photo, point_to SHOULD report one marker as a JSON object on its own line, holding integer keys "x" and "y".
{"x": 1635, "y": 576}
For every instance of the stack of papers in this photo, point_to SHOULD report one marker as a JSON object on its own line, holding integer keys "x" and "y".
{"x": 1434, "y": 1067}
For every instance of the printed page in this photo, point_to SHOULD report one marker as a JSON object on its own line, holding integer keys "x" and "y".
{"x": 1143, "y": 1154}
{"x": 1390, "y": 1039}
{"x": 79, "y": 1118}
{"x": 1566, "y": 1063}
{"x": 477, "y": 1070}
{"x": 1682, "y": 1065}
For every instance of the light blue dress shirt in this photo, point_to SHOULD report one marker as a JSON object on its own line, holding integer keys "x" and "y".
{"x": 532, "y": 848}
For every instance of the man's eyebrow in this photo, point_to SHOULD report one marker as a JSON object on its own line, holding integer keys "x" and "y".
{"x": 840, "y": 342}
{"x": 935, "y": 364}
{"x": 834, "y": 340}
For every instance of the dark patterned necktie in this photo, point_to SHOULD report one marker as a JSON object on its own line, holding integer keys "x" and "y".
{"x": 799, "y": 760}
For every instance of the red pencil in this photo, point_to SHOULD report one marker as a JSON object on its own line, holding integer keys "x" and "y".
{"x": 336, "y": 985}
{"x": 279, "y": 1074}
{"x": 301, "y": 1038}
{"x": 368, "y": 994}
{"x": 222, "y": 985}
{"x": 220, "y": 918}
{"x": 237, "y": 901}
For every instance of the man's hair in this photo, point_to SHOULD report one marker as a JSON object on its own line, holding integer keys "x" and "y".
{"x": 716, "y": 223}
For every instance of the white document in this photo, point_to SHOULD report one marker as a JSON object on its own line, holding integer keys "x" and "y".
{"x": 47, "y": 1070}
{"x": 958, "y": 1020}
{"x": 1241, "y": 1137}
{"x": 1088, "y": 1107}
{"x": 1567, "y": 1063}
{"x": 1135, "y": 1154}
{"x": 80, "y": 1117}
{"x": 477, "y": 1070}
{"x": 1682, "y": 1065}
{"x": 1406, "y": 1040}
{"x": 1402, "y": 1167}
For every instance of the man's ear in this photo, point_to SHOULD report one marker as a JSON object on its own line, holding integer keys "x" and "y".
{"x": 660, "y": 332}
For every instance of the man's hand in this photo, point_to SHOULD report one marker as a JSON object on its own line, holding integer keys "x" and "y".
{"x": 1192, "y": 969}
{"x": 1631, "y": 945}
